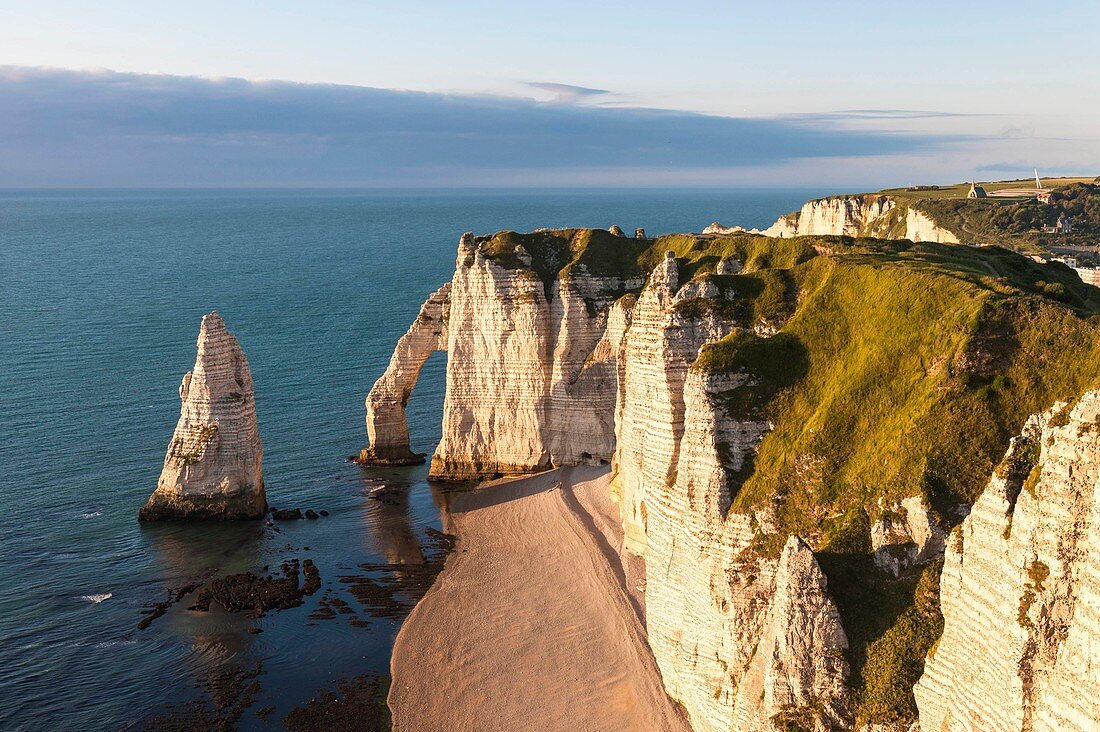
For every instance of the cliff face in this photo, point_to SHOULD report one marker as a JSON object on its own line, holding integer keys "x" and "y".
{"x": 213, "y": 468}
{"x": 531, "y": 369}
{"x": 1020, "y": 590}
{"x": 740, "y": 638}
{"x": 758, "y": 398}
{"x": 840, "y": 216}
{"x": 919, "y": 226}
{"x": 862, "y": 215}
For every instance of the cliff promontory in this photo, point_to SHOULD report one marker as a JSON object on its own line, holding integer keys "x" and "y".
{"x": 213, "y": 467}
{"x": 794, "y": 426}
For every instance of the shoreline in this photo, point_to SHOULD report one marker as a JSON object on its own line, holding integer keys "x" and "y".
{"x": 536, "y": 622}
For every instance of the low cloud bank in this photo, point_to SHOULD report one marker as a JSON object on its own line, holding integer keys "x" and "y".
{"x": 77, "y": 128}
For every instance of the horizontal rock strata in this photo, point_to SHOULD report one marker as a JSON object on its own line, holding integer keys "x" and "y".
{"x": 740, "y": 638}
{"x": 839, "y": 216}
{"x": 531, "y": 368}
{"x": 213, "y": 467}
{"x": 1020, "y": 590}
{"x": 387, "y": 427}
{"x": 919, "y": 226}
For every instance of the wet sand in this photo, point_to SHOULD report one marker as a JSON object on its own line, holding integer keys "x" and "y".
{"x": 535, "y": 621}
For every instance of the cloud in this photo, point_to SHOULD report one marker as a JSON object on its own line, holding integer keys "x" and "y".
{"x": 898, "y": 114}
{"x": 566, "y": 93}
{"x": 102, "y": 128}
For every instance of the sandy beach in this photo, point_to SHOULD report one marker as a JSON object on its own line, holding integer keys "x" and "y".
{"x": 535, "y": 622}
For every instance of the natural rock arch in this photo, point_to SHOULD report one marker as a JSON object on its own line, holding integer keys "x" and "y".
{"x": 387, "y": 426}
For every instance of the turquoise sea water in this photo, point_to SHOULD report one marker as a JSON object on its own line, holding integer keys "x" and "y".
{"x": 101, "y": 294}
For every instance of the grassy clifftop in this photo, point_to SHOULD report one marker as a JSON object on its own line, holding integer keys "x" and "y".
{"x": 917, "y": 363}
{"x": 899, "y": 369}
{"x": 559, "y": 252}
{"x": 891, "y": 369}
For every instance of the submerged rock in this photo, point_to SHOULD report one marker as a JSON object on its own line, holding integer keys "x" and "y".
{"x": 213, "y": 468}
{"x": 255, "y": 595}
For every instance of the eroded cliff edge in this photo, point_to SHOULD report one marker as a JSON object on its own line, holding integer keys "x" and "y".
{"x": 1021, "y": 589}
{"x": 794, "y": 424}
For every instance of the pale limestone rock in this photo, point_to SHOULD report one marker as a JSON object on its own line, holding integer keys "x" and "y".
{"x": 649, "y": 415}
{"x": 798, "y": 669}
{"x": 614, "y": 229}
{"x": 387, "y": 427}
{"x": 728, "y": 266}
{"x": 717, "y": 228}
{"x": 710, "y": 596}
{"x": 840, "y": 216}
{"x": 1020, "y": 592}
{"x": 907, "y": 535}
{"x": 531, "y": 369}
{"x": 544, "y": 374}
{"x": 213, "y": 467}
{"x": 639, "y": 233}
{"x": 919, "y": 226}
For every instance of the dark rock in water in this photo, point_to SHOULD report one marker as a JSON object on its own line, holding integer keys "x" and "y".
{"x": 357, "y": 704}
{"x": 312, "y": 515}
{"x": 255, "y": 595}
{"x": 393, "y": 457}
{"x": 324, "y": 512}
{"x": 287, "y": 514}
{"x": 158, "y": 609}
{"x": 255, "y": 630}
{"x": 313, "y": 577}
{"x": 228, "y": 693}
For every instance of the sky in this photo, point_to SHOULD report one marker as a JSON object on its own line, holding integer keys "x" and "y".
{"x": 849, "y": 93}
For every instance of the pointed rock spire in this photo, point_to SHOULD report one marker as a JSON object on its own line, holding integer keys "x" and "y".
{"x": 213, "y": 468}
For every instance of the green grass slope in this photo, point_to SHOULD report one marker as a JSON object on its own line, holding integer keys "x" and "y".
{"x": 895, "y": 369}
{"x": 899, "y": 369}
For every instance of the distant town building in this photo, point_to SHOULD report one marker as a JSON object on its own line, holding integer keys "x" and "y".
{"x": 1068, "y": 261}
{"x": 1044, "y": 197}
{"x": 976, "y": 191}
{"x": 1064, "y": 225}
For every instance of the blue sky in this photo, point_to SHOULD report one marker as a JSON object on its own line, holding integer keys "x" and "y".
{"x": 566, "y": 93}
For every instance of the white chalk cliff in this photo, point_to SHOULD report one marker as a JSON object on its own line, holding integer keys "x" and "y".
{"x": 875, "y": 215}
{"x": 588, "y": 374}
{"x": 213, "y": 467}
{"x": 840, "y": 216}
{"x": 1020, "y": 591}
{"x": 740, "y": 638}
{"x": 579, "y": 368}
{"x": 387, "y": 428}
{"x": 919, "y": 226}
{"x": 531, "y": 369}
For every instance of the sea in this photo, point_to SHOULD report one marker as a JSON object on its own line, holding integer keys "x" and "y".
{"x": 101, "y": 294}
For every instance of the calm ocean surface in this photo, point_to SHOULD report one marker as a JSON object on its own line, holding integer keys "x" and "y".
{"x": 101, "y": 294}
